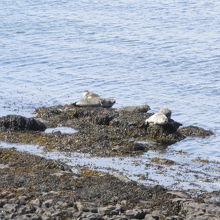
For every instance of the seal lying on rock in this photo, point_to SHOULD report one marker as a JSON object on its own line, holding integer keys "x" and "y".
{"x": 157, "y": 119}
{"x": 141, "y": 108}
{"x": 89, "y": 95}
{"x": 96, "y": 102}
{"x": 166, "y": 111}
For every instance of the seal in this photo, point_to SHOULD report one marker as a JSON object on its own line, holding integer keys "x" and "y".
{"x": 157, "y": 119}
{"x": 96, "y": 102}
{"x": 89, "y": 95}
{"x": 166, "y": 111}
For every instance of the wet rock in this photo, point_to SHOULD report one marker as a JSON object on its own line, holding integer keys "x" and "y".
{"x": 194, "y": 131}
{"x": 166, "y": 134}
{"x": 20, "y": 123}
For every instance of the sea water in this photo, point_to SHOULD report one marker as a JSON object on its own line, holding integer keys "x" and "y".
{"x": 156, "y": 52}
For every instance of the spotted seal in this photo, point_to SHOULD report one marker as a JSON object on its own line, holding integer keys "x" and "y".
{"x": 157, "y": 119}
{"x": 166, "y": 111}
{"x": 89, "y": 95}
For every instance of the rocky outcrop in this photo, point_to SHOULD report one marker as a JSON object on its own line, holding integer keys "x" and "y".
{"x": 101, "y": 131}
{"x": 32, "y": 187}
{"x": 20, "y": 123}
{"x": 194, "y": 131}
{"x": 166, "y": 134}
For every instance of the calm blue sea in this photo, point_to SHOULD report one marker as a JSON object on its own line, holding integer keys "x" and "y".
{"x": 156, "y": 52}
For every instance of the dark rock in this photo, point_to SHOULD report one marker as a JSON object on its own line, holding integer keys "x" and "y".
{"x": 166, "y": 134}
{"x": 3, "y": 202}
{"x": 20, "y": 123}
{"x": 194, "y": 131}
{"x": 135, "y": 213}
{"x": 48, "y": 203}
{"x": 129, "y": 119}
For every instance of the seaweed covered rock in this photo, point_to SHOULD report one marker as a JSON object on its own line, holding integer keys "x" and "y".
{"x": 20, "y": 123}
{"x": 166, "y": 134}
{"x": 128, "y": 119}
{"x": 101, "y": 131}
{"x": 194, "y": 131}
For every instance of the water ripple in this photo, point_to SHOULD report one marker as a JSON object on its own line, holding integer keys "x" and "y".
{"x": 157, "y": 53}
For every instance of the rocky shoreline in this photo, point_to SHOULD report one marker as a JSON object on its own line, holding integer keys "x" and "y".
{"x": 32, "y": 187}
{"x": 35, "y": 188}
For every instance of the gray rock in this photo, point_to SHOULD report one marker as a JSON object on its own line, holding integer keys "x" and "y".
{"x": 149, "y": 217}
{"x": 35, "y": 202}
{"x": 108, "y": 210}
{"x": 135, "y": 213}
{"x": 11, "y": 208}
{"x": 20, "y": 123}
{"x": 48, "y": 203}
{"x": 30, "y": 216}
{"x": 178, "y": 194}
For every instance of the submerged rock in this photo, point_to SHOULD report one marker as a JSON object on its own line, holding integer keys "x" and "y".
{"x": 194, "y": 131}
{"x": 20, "y": 123}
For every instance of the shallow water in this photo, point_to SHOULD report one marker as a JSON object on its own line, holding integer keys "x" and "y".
{"x": 187, "y": 172}
{"x": 62, "y": 130}
{"x": 140, "y": 52}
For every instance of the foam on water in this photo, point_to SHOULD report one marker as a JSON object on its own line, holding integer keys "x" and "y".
{"x": 140, "y": 52}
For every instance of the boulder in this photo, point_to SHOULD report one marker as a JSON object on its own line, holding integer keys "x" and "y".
{"x": 20, "y": 123}
{"x": 166, "y": 134}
